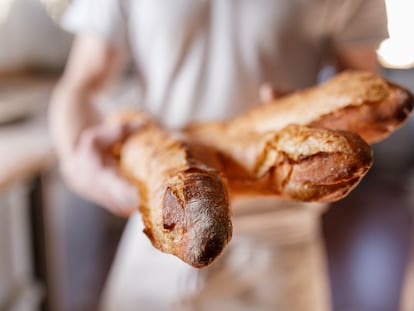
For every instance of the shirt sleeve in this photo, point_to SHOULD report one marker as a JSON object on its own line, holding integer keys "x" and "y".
{"x": 103, "y": 18}
{"x": 358, "y": 22}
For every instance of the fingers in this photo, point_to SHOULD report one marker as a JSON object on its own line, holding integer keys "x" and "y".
{"x": 105, "y": 135}
{"x": 267, "y": 93}
{"x": 121, "y": 197}
{"x": 104, "y": 186}
{"x": 92, "y": 171}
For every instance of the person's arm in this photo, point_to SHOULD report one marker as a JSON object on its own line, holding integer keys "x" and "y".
{"x": 358, "y": 58}
{"x": 90, "y": 65}
{"x": 357, "y": 28}
{"x": 81, "y": 141}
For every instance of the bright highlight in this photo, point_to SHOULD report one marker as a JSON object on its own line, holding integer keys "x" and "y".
{"x": 5, "y": 6}
{"x": 398, "y": 50}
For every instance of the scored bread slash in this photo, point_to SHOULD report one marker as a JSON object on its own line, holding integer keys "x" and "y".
{"x": 296, "y": 163}
{"x": 308, "y": 146}
{"x": 183, "y": 182}
{"x": 184, "y": 202}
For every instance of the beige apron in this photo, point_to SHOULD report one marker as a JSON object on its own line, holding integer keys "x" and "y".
{"x": 275, "y": 261}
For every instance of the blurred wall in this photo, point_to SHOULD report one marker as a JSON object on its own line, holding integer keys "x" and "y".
{"x": 29, "y": 38}
{"x": 396, "y": 153}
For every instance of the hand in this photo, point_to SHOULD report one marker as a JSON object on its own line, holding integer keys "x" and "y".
{"x": 268, "y": 94}
{"x": 91, "y": 169}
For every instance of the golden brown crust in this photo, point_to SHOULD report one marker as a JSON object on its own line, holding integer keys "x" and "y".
{"x": 184, "y": 202}
{"x": 296, "y": 163}
{"x": 373, "y": 120}
{"x": 184, "y": 199}
{"x": 355, "y": 101}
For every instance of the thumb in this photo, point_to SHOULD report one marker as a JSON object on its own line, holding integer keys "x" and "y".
{"x": 105, "y": 135}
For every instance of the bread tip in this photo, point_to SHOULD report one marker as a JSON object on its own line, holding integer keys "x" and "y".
{"x": 195, "y": 217}
{"x": 208, "y": 252}
{"x": 211, "y": 228}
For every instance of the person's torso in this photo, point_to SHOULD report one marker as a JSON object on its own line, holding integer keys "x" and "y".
{"x": 206, "y": 59}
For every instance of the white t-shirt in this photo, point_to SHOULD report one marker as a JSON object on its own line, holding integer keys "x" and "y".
{"x": 205, "y": 59}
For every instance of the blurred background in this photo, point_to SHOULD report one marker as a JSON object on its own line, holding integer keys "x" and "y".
{"x": 56, "y": 250}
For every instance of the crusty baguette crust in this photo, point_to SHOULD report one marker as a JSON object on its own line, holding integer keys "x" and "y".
{"x": 354, "y": 101}
{"x": 277, "y": 149}
{"x": 297, "y": 163}
{"x": 184, "y": 202}
{"x": 373, "y": 120}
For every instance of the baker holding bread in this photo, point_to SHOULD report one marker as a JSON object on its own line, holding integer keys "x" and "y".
{"x": 201, "y": 61}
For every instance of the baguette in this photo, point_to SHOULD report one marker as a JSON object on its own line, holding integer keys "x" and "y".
{"x": 299, "y": 147}
{"x": 354, "y": 101}
{"x": 184, "y": 202}
{"x": 296, "y": 163}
